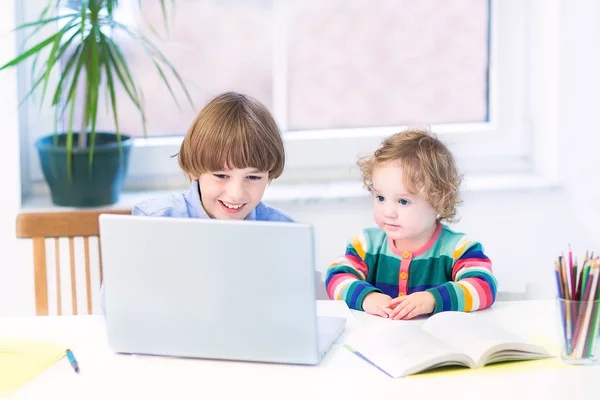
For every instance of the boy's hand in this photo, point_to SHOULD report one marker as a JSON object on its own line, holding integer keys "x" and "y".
{"x": 377, "y": 304}
{"x": 407, "y": 307}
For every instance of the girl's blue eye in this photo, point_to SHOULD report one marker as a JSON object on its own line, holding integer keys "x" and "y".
{"x": 220, "y": 176}
{"x": 404, "y": 202}
{"x": 254, "y": 178}
{"x": 380, "y": 198}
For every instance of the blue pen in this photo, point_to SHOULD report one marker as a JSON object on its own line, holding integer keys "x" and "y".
{"x": 72, "y": 360}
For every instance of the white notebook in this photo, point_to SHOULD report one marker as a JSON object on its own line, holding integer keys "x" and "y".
{"x": 400, "y": 348}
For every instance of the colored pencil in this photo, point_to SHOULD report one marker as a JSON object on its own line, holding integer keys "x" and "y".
{"x": 578, "y": 288}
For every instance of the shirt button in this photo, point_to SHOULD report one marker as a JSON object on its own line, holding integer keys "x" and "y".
{"x": 403, "y": 275}
{"x": 401, "y": 294}
{"x": 405, "y": 254}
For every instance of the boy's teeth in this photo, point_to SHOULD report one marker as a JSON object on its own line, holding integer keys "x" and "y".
{"x": 235, "y": 207}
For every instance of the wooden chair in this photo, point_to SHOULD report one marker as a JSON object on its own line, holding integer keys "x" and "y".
{"x": 56, "y": 225}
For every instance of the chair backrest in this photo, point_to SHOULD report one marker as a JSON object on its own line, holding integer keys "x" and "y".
{"x": 44, "y": 226}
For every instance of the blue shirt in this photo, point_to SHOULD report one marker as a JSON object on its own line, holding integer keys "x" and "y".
{"x": 188, "y": 205}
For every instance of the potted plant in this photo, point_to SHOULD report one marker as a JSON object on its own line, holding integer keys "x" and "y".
{"x": 86, "y": 168}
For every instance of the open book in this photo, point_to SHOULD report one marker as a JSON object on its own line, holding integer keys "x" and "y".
{"x": 400, "y": 348}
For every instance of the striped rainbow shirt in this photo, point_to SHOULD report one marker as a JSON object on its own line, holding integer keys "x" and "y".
{"x": 450, "y": 266}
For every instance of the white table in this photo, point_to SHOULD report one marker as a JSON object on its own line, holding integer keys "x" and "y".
{"x": 341, "y": 374}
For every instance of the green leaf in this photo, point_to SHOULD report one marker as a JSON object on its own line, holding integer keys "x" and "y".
{"x": 111, "y": 5}
{"x": 54, "y": 56}
{"x": 66, "y": 71}
{"x": 164, "y": 12}
{"x": 69, "y": 144}
{"x": 45, "y": 21}
{"x": 155, "y": 52}
{"x": 111, "y": 89}
{"x": 49, "y": 9}
{"x": 75, "y": 76}
{"x": 32, "y": 89}
{"x": 93, "y": 75}
{"x": 166, "y": 81}
{"x": 39, "y": 27}
{"x": 33, "y": 50}
{"x": 125, "y": 78}
{"x": 33, "y": 67}
{"x": 59, "y": 55}
{"x": 83, "y": 16}
{"x": 94, "y": 6}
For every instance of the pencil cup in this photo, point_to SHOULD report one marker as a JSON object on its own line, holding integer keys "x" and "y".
{"x": 579, "y": 328}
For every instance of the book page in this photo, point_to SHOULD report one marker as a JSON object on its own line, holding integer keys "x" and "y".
{"x": 401, "y": 349}
{"x": 481, "y": 340}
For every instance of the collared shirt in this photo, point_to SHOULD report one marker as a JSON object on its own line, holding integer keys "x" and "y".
{"x": 188, "y": 205}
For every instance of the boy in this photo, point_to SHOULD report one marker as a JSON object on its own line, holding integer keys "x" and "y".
{"x": 231, "y": 152}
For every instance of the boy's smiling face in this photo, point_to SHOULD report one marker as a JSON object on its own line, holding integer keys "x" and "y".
{"x": 232, "y": 193}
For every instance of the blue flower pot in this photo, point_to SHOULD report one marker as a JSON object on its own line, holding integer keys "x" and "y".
{"x": 94, "y": 185}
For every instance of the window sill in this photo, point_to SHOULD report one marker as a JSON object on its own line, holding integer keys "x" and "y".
{"x": 312, "y": 193}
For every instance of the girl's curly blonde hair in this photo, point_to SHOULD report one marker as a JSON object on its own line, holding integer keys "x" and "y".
{"x": 428, "y": 166}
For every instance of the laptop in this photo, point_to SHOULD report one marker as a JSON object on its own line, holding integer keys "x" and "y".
{"x": 215, "y": 289}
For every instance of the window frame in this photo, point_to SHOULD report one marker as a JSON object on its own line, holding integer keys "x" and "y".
{"x": 509, "y": 143}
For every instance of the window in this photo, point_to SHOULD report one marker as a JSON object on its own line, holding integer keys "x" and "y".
{"x": 339, "y": 75}
{"x": 349, "y": 64}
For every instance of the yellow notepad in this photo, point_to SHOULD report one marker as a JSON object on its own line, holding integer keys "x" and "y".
{"x": 21, "y": 360}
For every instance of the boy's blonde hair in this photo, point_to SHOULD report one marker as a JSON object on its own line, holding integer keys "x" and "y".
{"x": 234, "y": 131}
{"x": 428, "y": 166}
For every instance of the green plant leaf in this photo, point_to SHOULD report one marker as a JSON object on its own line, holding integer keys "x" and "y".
{"x": 39, "y": 24}
{"x": 163, "y": 8}
{"x": 111, "y": 5}
{"x": 36, "y": 57}
{"x": 93, "y": 74}
{"x": 44, "y": 15}
{"x": 166, "y": 81}
{"x": 31, "y": 51}
{"x": 32, "y": 89}
{"x": 69, "y": 143}
{"x": 125, "y": 78}
{"x": 155, "y": 53}
{"x": 54, "y": 57}
{"x": 83, "y": 16}
{"x": 39, "y": 80}
{"x": 111, "y": 89}
{"x": 68, "y": 65}
{"x": 49, "y": 7}
{"x": 164, "y": 12}
{"x": 75, "y": 76}
{"x": 66, "y": 71}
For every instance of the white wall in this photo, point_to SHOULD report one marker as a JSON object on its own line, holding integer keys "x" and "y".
{"x": 13, "y": 285}
{"x": 523, "y": 231}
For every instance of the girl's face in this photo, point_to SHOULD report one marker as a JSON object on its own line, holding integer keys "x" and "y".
{"x": 407, "y": 218}
{"x": 232, "y": 193}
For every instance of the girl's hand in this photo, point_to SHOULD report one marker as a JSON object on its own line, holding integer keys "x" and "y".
{"x": 377, "y": 304}
{"x": 407, "y": 307}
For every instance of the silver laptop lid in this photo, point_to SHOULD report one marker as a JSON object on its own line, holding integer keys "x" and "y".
{"x": 242, "y": 290}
